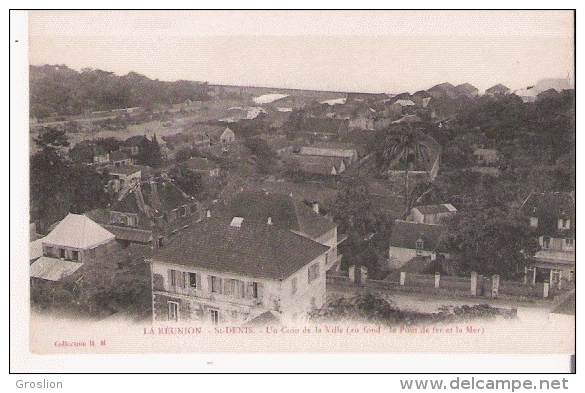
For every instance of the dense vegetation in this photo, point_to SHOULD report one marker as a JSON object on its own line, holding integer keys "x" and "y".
{"x": 56, "y": 90}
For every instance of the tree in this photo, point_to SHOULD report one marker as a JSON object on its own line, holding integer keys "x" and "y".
{"x": 51, "y": 137}
{"x": 265, "y": 157}
{"x": 186, "y": 180}
{"x": 489, "y": 241}
{"x": 407, "y": 146}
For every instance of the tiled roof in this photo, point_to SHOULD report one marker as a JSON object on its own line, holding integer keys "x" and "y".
{"x": 309, "y": 192}
{"x": 405, "y": 234}
{"x": 78, "y": 231}
{"x": 35, "y": 249}
{"x": 285, "y": 212}
{"x": 433, "y": 209}
{"x": 53, "y": 269}
{"x": 466, "y": 88}
{"x": 549, "y": 207}
{"x": 254, "y": 249}
{"x": 130, "y": 234}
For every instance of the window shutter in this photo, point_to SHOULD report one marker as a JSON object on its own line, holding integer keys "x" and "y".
{"x": 209, "y": 284}
{"x": 260, "y": 291}
{"x": 170, "y": 277}
{"x": 221, "y": 285}
{"x": 186, "y": 280}
{"x": 249, "y": 290}
{"x": 198, "y": 280}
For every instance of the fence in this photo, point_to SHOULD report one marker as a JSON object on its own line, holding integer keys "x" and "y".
{"x": 475, "y": 285}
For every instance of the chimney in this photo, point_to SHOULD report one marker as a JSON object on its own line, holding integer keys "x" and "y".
{"x": 208, "y": 214}
{"x": 269, "y": 221}
{"x": 316, "y": 207}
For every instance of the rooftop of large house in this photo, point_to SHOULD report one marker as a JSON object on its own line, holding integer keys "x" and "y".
{"x": 78, "y": 231}
{"x": 549, "y": 208}
{"x": 466, "y": 88}
{"x": 250, "y": 248}
{"x": 319, "y": 165}
{"x": 361, "y": 149}
{"x": 284, "y": 211}
{"x": 136, "y": 140}
{"x": 405, "y": 234}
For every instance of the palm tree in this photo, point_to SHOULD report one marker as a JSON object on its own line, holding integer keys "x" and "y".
{"x": 408, "y": 146}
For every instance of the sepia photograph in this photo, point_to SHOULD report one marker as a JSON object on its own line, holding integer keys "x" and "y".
{"x": 300, "y": 182}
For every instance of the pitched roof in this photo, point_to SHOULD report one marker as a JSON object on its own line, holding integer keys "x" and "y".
{"x": 327, "y": 152}
{"x": 35, "y": 249}
{"x": 549, "y": 207}
{"x": 130, "y": 234}
{"x": 78, "y": 231}
{"x": 485, "y": 152}
{"x": 53, "y": 269}
{"x": 402, "y": 102}
{"x": 254, "y": 249}
{"x": 405, "y": 235}
{"x": 321, "y": 165}
{"x": 361, "y": 149}
{"x": 309, "y": 192}
{"x": 285, "y": 212}
{"x": 434, "y": 209}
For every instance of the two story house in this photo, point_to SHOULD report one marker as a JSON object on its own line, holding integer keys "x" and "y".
{"x": 237, "y": 271}
{"x": 148, "y": 212}
{"x": 74, "y": 241}
{"x": 551, "y": 217}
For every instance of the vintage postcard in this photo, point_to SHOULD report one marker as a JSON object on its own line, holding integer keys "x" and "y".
{"x": 297, "y": 182}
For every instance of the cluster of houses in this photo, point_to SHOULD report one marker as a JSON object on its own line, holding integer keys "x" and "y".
{"x": 263, "y": 254}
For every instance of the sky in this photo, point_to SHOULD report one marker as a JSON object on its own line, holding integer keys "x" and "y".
{"x": 364, "y": 51}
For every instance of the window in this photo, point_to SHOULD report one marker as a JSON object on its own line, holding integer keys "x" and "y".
{"x": 92, "y": 253}
{"x": 173, "y": 311}
{"x": 193, "y": 280}
{"x": 214, "y": 316}
{"x": 49, "y": 251}
{"x": 160, "y": 241}
{"x": 546, "y": 242}
{"x": 294, "y": 286}
{"x": 75, "y": 255}
{"x": 178, "y": 279}
{"x": 215, "y": 284}
{"x": 314, "y": 272}
{"x": 62, "y": 253}
{"x": 174, "y": 278}
{"x": 234, "y": 288}
{"x": 534, "y": 222}
{"x": 564, "y": 223}
{"x": 183, "y": 211}
{"x": 569, "y": 243}
{"x": 419, "y": 246}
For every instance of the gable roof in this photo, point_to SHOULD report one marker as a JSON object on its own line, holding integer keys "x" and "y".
{"x": 254, "y": 249}
{"x": 309, "y": 192}
{"x": 78, "y": 231}
{"x": 405, "y": 235}
{"x": 549, "y": 207}
{"x": 285, "y": 212}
